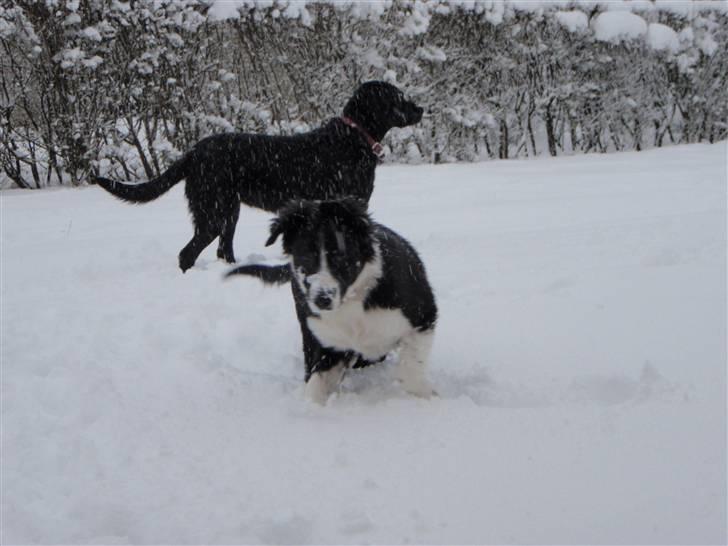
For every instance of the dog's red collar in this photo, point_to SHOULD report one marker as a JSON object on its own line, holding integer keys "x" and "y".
{"x": 377, "y": 148}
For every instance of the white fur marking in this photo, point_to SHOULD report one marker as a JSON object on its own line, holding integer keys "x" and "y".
{"x": 322, "y": 282}
{"x": 300, "y": 276}
{"x": 321, "y": 384}
{"x": 371, "y": 333}
{"x": 340, "y": 242}
{"x": 412, "y": 367}
{"x": 367, "y": 279}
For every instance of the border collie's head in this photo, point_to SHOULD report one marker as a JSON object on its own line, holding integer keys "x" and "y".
{"x": 329, "y": 244}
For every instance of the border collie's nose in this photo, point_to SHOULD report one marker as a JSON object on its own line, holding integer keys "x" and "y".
{"x": 323, "y": 301}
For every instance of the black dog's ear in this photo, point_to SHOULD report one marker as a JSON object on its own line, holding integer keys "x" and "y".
{"x": 291, "y": 218}
{"x": 399, "y": 116}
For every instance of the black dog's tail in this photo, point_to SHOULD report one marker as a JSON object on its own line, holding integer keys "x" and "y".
{"x": 269, "y": 274}
{"x": 150, "y": 190}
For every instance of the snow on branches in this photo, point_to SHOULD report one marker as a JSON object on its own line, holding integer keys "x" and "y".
{"x": 112, "y": 85}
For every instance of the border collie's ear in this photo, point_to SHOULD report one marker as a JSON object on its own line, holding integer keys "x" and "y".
{"x": 290, "y": 220}
{"x": 276, "y": 229}
{"x": 355, "y": 212}
{"x": 355, "y": 207}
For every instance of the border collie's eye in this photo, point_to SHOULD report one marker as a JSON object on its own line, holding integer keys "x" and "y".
{"x": 302, "y": 277}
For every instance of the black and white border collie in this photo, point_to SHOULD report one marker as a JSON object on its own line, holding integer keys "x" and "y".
{"x": 360, "y": 292}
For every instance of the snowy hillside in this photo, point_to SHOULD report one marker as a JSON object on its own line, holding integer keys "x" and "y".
{"x": 580, "y": 359}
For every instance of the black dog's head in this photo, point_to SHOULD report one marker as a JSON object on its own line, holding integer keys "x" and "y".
{"x": 379, "y": 106}
{"x": 329, "y": 244}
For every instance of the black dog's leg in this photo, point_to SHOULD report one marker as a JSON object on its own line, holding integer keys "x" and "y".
{"x": 225, "y": 246}
{"x": 204, "y": 199}
{"x": 197, "y": 244}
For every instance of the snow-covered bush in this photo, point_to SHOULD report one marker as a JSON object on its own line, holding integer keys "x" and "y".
{"x": 121, "y": 88}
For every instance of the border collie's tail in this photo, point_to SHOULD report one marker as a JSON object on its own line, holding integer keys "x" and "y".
{"x": 269, "y": 274}
{"x": 146, "y": 191}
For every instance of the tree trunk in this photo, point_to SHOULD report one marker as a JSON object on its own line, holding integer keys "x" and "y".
{"x": 503, "y": 149}
{"x": 550, "y": 129}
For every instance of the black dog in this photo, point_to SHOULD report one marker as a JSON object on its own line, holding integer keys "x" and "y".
{"x": 360, "y": 292}
{"x": 335, "y": 160}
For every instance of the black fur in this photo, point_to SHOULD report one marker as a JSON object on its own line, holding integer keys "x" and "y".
{"x": 269, "y": 274}
{"x": 265, "y": 171}
{"x": 403, "y": 284}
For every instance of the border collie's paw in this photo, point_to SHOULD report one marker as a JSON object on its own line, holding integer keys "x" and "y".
{"x": 420, "y": 389}
{"x": 322, "y": 384}
{"x": 317, "y": 390}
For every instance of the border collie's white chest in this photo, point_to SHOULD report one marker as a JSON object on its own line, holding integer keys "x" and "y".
{"x": 372, "y": 333}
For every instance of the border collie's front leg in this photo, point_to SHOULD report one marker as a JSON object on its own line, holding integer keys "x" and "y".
{"x": 413, "y": 358}
{"x": 322, "y": 384}
{"x": 324, "y": 368}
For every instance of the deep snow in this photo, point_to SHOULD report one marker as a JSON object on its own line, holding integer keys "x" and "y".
{"x": 580, "y": 358}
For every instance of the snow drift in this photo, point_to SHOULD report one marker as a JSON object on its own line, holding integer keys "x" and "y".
{"x": 580, "y": 359}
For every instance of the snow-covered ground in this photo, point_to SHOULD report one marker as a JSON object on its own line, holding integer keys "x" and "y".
{"x": 580, "y": 359}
